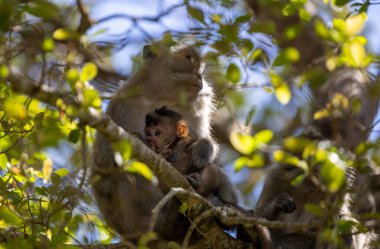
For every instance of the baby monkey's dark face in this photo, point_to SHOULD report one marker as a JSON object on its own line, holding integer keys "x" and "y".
{"x": 161, "y": 134}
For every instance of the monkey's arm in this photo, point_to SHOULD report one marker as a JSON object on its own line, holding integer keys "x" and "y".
{"x": 202, "y": 153}
{"x": 274, "y": 198}
{"x": 205, "y": 181}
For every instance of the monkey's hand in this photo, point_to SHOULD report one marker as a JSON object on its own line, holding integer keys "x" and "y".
{"x": 284, "y": 203}
{"x": 202, "y": 153}
{"x": 195, "y": 180}
{"x": 165, "y": 153}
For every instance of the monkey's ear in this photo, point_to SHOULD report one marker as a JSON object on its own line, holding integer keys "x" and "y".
{"x": 182, "y": 128}
{"x": 149, "y": 52}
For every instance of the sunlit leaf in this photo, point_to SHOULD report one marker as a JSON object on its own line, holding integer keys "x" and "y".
{"x": 89, "y": 72}
{"x": 264, "y": 136}
{"x": 281, "y": 89}
{"x": 355, "y": 23}
{"x": 332, "y": 176}
{"x": 296, "y": 144}
{"x": 3, "y": 161}
{"x": 124, "y": 149}
{"x": 47, "y": 168}
{"x": 324, "y": 113}
{"x": 140, "y": 168}
{"x": 321, "y": 29}
{"x": 243, "y": 143}
{"x": 233, "y": 73}
{"x": 256, "y": 161}
{"x": 62, "y": 172}
{"x": 285, "y": 158}
{"x": 287, "y": 55}
{"x": 9, "y": 216}
{"x": 283, "y": 94}
{"x": 91, "y": 98}
{"x": 331, "y": 63}
{"x": 72, "y": 76}
{"x": 62, "y": 34}
{"x": 4, "y": 72}
{"x": 48, "y": 45}
{"x": 14, "y": 108}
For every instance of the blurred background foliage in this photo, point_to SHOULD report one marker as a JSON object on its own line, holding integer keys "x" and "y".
{"x": 266, "y": 91}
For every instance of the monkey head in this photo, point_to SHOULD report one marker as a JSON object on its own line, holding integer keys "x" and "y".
{"x": 179, "y": 61}
{"x": 162, "y": 127}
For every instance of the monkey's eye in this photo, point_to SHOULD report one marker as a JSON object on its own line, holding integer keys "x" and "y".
{"x": 189, "y": 58}
{"x": 157, "y": 133}
{"x": 147, "y": 133}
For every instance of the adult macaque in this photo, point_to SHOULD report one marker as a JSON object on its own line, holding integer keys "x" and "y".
{"x": 170, "y": 76}
{"x": 168, "y": 134}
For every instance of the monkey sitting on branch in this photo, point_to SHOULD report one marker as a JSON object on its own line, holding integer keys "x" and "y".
{"x": 168, "y": 135}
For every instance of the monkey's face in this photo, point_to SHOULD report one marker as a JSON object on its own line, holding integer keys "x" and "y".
{"x": 177, "y": 68}
{"x": 159, "y": 136}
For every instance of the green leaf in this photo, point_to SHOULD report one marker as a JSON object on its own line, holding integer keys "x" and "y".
{"x": 184, "y": 208}
{"x": 9, "y": 216}
{"x": 296, "y": 144}
{"x": 313, "y": 209}
{"x": 289, "y": 10}
{"x": 256, "y": 161}
{"x": 89, "y": 72}
{"x": 283, "y": 94}
{"x": 264, "y": 136}
{"x": 140, "y": 168}
{"x": 4, "y": 71}
{"x": 332, "y": 176}
{"x": 286, "y": 56}
{"x": 123, "y": 152}
{"x": 3, "y": 161}
{"x": 14, "y": 108}
{"x": 340, "y": 2}
{"x": 281, "y": 89}
{"x": 74, "y": 136}
{"x": 48, "y": 45}
{"x": 55, "y": 179}
{"x": 47, "y": 168}
{"x": 249, "y": 117}
{"x": 91, "y": 98}
{"x": 196, "y": 13}
{"x": 63, "y": 34}
{"x": 233, "y": 73}
{"x": 355, "y": 24}
{"x": 173, "y": 245}
{"x": 285, "y": 158}
{"x": 72, "y": 76}
{"x": 62, "y": 172}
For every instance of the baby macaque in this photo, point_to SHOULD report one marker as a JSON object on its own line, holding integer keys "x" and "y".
{"x": 168, "y": 135}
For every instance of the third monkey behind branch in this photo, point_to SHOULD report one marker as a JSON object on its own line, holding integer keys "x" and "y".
{"x": 284, "y": 201}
